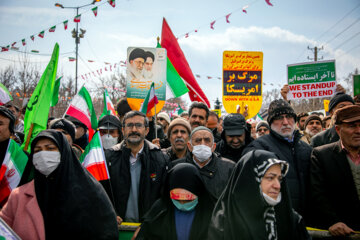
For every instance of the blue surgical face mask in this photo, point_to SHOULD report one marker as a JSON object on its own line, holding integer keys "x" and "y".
{"x": 186, "y": 207}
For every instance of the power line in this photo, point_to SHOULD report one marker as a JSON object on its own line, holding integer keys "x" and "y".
{"x": 343, "y": 30}
{"x": 347, "y": 40}
{"x": 348, "y": 51}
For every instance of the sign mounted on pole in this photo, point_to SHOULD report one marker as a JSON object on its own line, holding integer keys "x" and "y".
{"x": 242, "y": 81}
{"x": 356, "y": 83}
{"x": 144, "y": 66}
{"x": 311, "y": 80}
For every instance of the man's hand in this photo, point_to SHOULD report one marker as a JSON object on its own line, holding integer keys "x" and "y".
{"x": 340, "y": 88}
{"x": 136, "y": 233}
{"x": 156, "y": 141}
{"x": 284, "y": 91}
{"x": 119, "y": 221}
{"x": 245, "y": 113}
{"x": 340, "y": 229}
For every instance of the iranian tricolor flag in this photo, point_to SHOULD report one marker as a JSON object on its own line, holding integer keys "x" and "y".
{"x": 112, "y": 2}
{"x": 12, "y": 169}
{"x": 93, "y": 159}
{"x": 77, "y": 18}
{"x": 65, "y": 24}
{"x": 71, "y": 59}
{"x": 5, "y": 95}
{"x": 23, "y": 42}
{"x": 52, "y": 29}
{"x": 81, "y": 108}
{"x": 108, "y": 106}
{"x": 41, "y": 34}
{"x": 94, "y": 10}
{"x": 150, "y": 100}
{"x": 32, "y": 37}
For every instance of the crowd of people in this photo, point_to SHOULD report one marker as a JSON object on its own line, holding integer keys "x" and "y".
{"x": 193, "y": 176}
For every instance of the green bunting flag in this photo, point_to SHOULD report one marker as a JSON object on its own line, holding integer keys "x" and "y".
{"x": 37, "y": 109}
{"x": 41, "y": 34}
{"x": 52, "y": 29}
{"x": 65, "y": 24}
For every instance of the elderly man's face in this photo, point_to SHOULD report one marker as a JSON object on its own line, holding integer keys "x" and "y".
{"x": 4, "y": 128}
{"x": 284, "y": 125}
{"x": 313, "y": 127}
{"x": 148, "y": 64}
{"x": 197, "y": 118}
{"x": 349, "y": 134}
{"x": 235, "y": 142}
{"x": 202, "y": 137}
{"x": 179, "y": 138}
{"x": 137, "y": 63}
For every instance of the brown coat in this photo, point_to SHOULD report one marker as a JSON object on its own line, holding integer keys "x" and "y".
{"x": 22, "y": 213}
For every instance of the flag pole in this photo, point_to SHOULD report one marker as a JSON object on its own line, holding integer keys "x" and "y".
{"x": 28, "y": 137}
{"x": 155, "y": 123}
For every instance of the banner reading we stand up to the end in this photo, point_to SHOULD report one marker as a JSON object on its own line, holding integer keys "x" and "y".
{"x": 311, "y": 80}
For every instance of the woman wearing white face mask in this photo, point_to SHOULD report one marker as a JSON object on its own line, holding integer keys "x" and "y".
{"x": 61, "y": 198}
{"x": 256, "y": 204}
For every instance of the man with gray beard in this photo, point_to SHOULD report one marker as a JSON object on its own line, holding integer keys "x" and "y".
{"x": 284, "y": 141}
{"x": 178, "y": 134}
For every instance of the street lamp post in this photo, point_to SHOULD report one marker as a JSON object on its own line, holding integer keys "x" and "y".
{"x": 76, "y": 35}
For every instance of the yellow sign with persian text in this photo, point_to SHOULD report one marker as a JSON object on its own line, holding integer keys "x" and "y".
{"x": 242, "y": 81}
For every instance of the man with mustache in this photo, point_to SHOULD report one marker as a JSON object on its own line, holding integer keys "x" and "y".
{"x": 284, "y": 141}
{"x": 137, "y": 170}
{"x": 178, "y": 134}
{"x": 198, "y": 114}
{"x": 312, "y": 126}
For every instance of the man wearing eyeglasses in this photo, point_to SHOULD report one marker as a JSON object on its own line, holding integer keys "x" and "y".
{"x": 137, "y": 170}
{"x": 284, "y": 141}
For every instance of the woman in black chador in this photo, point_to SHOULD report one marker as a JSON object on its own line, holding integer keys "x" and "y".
{"x": 256, "y": 204}
{"x": 184, "y": 210}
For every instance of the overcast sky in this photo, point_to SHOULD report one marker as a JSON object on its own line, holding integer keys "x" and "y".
{"x": 282, "y": 32}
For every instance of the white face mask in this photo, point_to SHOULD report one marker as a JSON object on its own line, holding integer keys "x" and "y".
{"x": 108, "y": 141}
{"x": 201, "y": 152}
{"x": 46, "y": 161}
{"x": 270, "y": 200}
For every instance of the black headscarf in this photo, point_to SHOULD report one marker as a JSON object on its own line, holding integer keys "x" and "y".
{"x": 186, "y": 176}
{"x": 240, "y": 212}
{"x": 73, "y": 204}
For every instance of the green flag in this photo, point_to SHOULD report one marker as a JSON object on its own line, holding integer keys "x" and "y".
{"x": 175, "y": 83}
{"x": 356, "y": 81}
{"x": 108, "y": 106}
{"x": 180, "y": 111}
{"x": 37, "y": 109}
{"x": 55, "y": 97}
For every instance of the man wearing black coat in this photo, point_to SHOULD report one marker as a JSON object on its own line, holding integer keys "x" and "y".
{"x": 215, "y": 171}
{"x": 340, "y": 100}
{"x": 137, "y": 170}
{"x": 284, "y": 141}
{"x": 235, "y": 137}
{"x": 334, "y": 177}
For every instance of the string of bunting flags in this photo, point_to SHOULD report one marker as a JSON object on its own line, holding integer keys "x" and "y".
{"x": 52, "y": 29}
{"x": 226, "y": 17}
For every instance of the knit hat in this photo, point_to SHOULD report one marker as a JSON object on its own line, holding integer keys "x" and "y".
{"x": 279, "y": 107}
{"x": 199, "y": 128}
{"x": 64, "y": 124}
{"x": 312, "y": 117}
{"x": 8, "y": 114}
{"x": 262, "y": 124}
{"x": 165, "y": 116}
{"x": 338, "y": 98}
{"x": 179, "y": 121}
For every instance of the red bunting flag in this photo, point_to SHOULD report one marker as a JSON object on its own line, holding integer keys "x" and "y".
{"x": 90, "y": 61}
{"x": 177, "y": 58}
{"x": 212, "y": 24}
{"x": 13, "y": 44}
{"x": 52, "y": 29}
{"x": 209, "y": 77}
{"x": 4, "y": 49}
{"x": 41, "y": 34}
{"x": 197, "y": 75}
{"x": 23, "y": 42}
{"x": 65, "y": 24}
{"x": 227, "y": 18}
{"x": 244, "y": 8}
{"x": 196, "y": 30}
{"x": 71, "y": 59}
{"x": 77, "y": 18}
{"x": 187, "y": 35}
{"x": 268, "y": 2}
{"x": 32, "y": 37}
{"x": 95, "y": 10}
{"x": 112, "y": 3}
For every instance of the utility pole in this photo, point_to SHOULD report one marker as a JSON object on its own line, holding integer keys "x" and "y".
{"x": 315, "y": 50}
